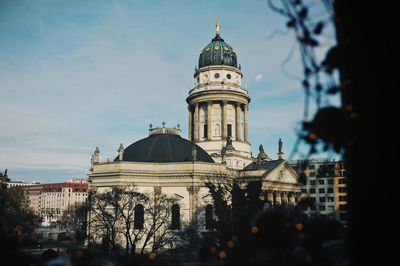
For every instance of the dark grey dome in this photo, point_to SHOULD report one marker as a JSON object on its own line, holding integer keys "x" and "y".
{"x": 164, "y": 148}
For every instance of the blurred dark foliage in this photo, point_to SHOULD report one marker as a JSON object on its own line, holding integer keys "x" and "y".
{"x": 249, "y": 231}
{"x": 17, "y": 222}
{"x": 366, "y": 58}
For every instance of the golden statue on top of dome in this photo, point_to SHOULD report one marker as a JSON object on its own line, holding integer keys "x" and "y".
{"x": 217, "y": 27}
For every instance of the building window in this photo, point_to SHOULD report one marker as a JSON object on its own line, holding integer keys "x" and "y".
{"x": 321, "y": 182}
{"x": 205, "y": 131}
{"x": 342, "y": 189}
{"x": 331, "y": 199}
{"x": 321, "y": 199}
{"x": 342, "y": 181}
{"x": 321, "y": 190}
{"x": 228, "y": 76}
{"x": 216, "y": 75}
{"x": 330, "y": 189}
{"x": 312, "y": 174}
{"x": 312, "y": 190}
{"x": 229, "y": 131}
{"x": 304, "y": 191}
{"x": 176, "y": 217}
{"x": 322, "y": 208}
{"x": 331, "y": 208}
{"x": 139, "y": 217}
{"x": 312, "y": 182}
{"x": 342, "y": 198}
{"x": 330, "y": 181}
{"x": 209, "y": 217}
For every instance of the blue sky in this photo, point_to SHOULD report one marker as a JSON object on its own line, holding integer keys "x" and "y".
{"x": 78, "y": 74}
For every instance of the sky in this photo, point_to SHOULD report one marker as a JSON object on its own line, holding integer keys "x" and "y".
{"x": 78, "y": 74}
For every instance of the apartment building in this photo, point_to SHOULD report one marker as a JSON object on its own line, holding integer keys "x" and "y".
{"x": 324, "y": 182}
{"x": 50, "y": 201}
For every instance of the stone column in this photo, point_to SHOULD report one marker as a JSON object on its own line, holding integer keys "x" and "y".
{"x": 277, "y": 198}
{"x": 270, "y": 197}
{"x": 209, "y": 123}
{"x": 196, "y": 122}
{"x": 190, "y": 123}
{"x": 224, "y": 123}
{"x": 193, "y": 204}
{"x": 285, "y": 199}
{"x": 298, "y": 197}
{"x": 246, "y": 123}
{"x": 292, "y": 199}
{"x": 238, "y": 122}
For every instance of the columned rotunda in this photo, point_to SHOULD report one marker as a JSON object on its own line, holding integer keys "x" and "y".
{"x": 218, "y": 105}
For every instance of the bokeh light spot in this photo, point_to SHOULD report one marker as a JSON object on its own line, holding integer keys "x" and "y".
{"x": 152, "y": 256}
{"x": 254, "y": 229}
{"x": 213, "y": 250}
{"x": 222, "y": 254}
{"x": 299, "y": 227}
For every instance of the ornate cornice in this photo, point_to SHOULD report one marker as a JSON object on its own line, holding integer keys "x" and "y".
{"x": 217, "y": 67}
{"x": 218, "y": 95}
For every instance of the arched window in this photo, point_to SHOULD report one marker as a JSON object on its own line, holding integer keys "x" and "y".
{"x": 176, "y": 217}
{"x": 139, "y": 217}
{"x": 209, "y": 217}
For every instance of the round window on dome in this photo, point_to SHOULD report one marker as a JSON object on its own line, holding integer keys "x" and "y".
{"x": 216, "y": 75}
{"x": 228, "y": 76}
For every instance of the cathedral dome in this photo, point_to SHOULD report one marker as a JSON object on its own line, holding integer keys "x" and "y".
{"x": 217, "y": 52}
{"x": 164, "y": 147}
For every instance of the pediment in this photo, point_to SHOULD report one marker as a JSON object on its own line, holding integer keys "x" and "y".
{"x": 283, "y": 173}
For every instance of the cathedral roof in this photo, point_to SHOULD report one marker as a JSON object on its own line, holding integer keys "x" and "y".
{"x": 217, "y": 52}
{"x": 264, "y": 165}
{"x": 164, "y": 147}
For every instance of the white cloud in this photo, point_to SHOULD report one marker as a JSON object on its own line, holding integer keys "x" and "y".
{"x": 259, "y": 77}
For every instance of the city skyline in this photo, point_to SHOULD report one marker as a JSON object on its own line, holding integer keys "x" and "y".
{"x": 76, "y": 75}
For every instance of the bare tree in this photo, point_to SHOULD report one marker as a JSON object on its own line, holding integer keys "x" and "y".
{"x": 143, "y": 220}
{"x": 106, "y": 214}
{"x": 129, "y": 201}
{"x": 159, "y": 230}
{"x": 75, "y": 218}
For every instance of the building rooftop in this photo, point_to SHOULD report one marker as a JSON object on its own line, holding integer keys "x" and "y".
{"x": 164, "y": 145}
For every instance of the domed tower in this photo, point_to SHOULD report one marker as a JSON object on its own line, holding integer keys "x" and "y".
{"x": 219, "y": 104}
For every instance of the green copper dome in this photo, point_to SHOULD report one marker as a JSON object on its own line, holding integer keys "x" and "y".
{"x": 217, "y": 52}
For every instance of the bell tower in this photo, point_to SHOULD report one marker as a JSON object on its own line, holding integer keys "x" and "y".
{"x": 218, "y": 105}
